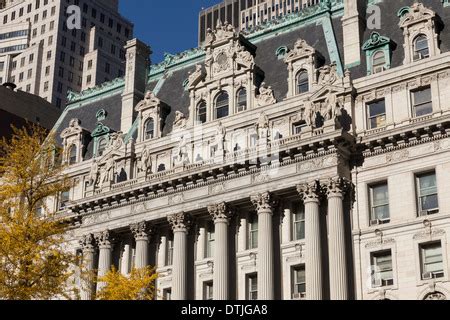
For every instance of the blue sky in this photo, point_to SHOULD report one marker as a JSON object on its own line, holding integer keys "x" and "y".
{"x": 166, "y": 25}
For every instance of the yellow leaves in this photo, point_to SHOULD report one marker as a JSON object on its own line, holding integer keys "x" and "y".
{"x": 33, "y": 262}
{"x": 139, "y": 285}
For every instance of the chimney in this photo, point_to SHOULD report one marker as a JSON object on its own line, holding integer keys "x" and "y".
{"x": 352, "y": 24}
{"x": 136, "y": 75}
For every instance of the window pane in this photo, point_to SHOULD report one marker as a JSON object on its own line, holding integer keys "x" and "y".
{"x": 377, "y": 108}
{"x": 380, "y": 194}
{"x": 422, "y": 96}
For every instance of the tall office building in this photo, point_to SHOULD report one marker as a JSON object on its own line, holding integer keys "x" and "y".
{"x": 245, "y": 14}
{"x": 42, "y": 56}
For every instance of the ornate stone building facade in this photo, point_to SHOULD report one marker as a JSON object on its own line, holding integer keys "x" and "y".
{"x": 281, "y": 164}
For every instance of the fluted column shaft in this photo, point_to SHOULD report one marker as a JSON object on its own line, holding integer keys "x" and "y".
{"x": 221, "y": 215}
{"x": 141, "y": 235}
{"x": 104, "y": 258}
{"x": 87, "y": 283}
{"x": 180, "y": 226}
{"x": 264, "y": 206}
{"x": 313, "y": 257}
{"x": 337, "y": 248}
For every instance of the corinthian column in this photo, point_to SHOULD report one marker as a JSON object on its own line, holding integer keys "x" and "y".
{"x": 221, "y": 215}
{"x": 180, "y": 224}
{"x": 141, "y": 233}
{"x": 336, "y": 241}
{"x": 264, "y": 206}
{"x": 87, "y": 282}
{"x": 313, "y": 257}
{"x": 104, "y": 240}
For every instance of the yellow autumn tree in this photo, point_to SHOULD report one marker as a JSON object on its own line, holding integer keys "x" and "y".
{"x": 34, "y": 264}
{"x": 138, "y": 285}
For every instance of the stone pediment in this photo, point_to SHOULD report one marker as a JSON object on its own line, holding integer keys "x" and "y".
{"x": 301, "y": 50}
{"x": 150, "y": 102}
{"x": 325, "y": 92}
{"x": 73, "y": 129}
{"x": 417, "y": 13}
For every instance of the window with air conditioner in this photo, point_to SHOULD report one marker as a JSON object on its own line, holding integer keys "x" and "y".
{"x": 432, "y": 261}
{"x": 427, "y": 194}
{"x": 252, "y": 287}
{"x": 208, "y": 290}
{"x": 298, "y": 283}
{"x": 378, "y": 62}
{"x": 379, "y": 203}
{"x": 421, "y": 48}
{"x": 382, "y": 271}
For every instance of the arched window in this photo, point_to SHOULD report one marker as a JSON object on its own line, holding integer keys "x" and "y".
{"x": 222, "y": 105}
{"x": 378, "y": 62}
{"x": 73, "y": 154}
{"x": 302, "y": 82}
{"x": 201, "y": 112}
{"x": 102, "y": 143}
{"x": 149, "y": 129}
{"x": 241, "y": 100}
{"x": 421, "y": 48}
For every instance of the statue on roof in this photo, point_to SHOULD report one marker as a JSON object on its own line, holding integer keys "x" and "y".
{"x": 266, "y": 96}
{"x": 180, "y": 121}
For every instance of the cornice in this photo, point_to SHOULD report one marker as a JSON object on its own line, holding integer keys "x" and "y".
{"x": 172, "y": 182}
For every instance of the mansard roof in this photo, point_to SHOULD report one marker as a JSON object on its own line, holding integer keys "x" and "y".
{"x": 325, "y": 35}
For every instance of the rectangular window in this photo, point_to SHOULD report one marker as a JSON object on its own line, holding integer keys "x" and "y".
{"x": 63, "y": 200}
{"x": 376, "y": 114}
{"x": 208, "y": 290}
{"x": 253, "y": 232}
{"x": 167, "y": 294}
{"x": 298, "y": 221}
{"x": 422, "y": 102}
{"x": 298, "y": 127}
{"x": 298, "y": 283}
{"x": 379, "y": 203}
{"x": 427, "y": 193}
{"x": 432, "y": 261}
{"x": 252, "y": 287}
{"x": 382, "y": 271}
{"x": 169, "y": 253}
{"x": 210, "y": 239}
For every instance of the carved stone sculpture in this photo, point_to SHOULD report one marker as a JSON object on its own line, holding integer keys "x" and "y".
{"x": 180, "y": 121}
{"x": 263, "y": 128}
{"x": 266, "y": 96}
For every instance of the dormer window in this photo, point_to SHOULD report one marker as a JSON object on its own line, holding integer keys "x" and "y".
{"x": 73, "y": 154}
{"x": 222, "y": 105}
{"x": 421, "y": 48}
{"x": 378, "y": 53}
{"x": 302, "y": 82}
{"x": 421, "y": 28}
{"x": 378, "y": 62}
{"x": 201, "y": 112}
{"x": 241, "y": 103}
{"x": 149, "y": 129}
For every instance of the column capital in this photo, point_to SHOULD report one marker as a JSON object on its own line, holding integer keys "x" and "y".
{"x": 220, "y": 212}
{"x": 310, "y": 192}
{"x": 87, "y": 243}
{"x": 337, "y": 187}
{"x": 104, "y": 239}
{"x": 263, "y": 201}
{"x": 141, "y": 230}
{"x": 180, "y": 222}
